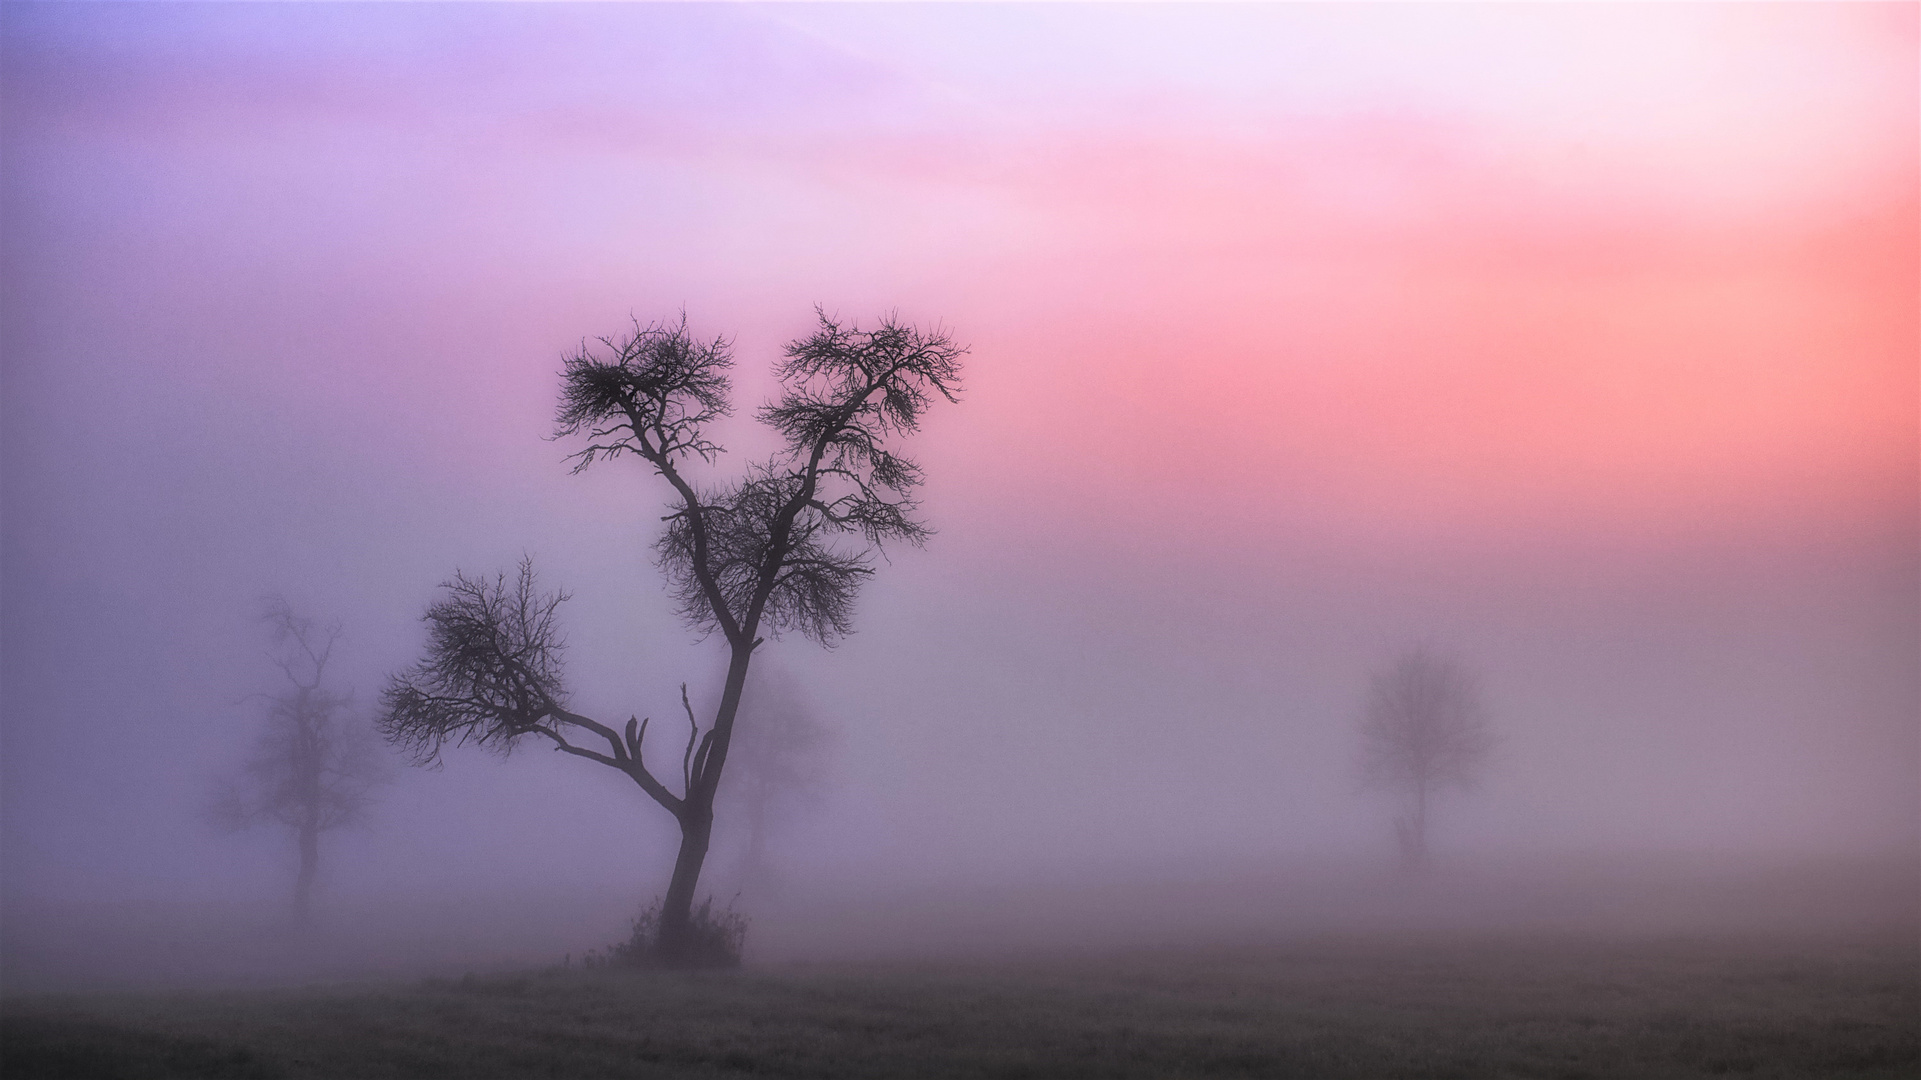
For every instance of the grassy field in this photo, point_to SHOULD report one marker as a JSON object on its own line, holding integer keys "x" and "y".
{"x": 1447, "y": 1005}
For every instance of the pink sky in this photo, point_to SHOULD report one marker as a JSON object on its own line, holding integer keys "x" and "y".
{"x": 1474, "y": 305}
{"x": 1441, "y": 268}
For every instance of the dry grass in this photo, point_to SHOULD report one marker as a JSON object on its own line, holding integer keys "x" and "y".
{"x": 1409, "y": 1006}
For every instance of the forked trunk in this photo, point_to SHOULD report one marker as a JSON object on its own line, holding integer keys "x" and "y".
{"x": 681, "y": 943}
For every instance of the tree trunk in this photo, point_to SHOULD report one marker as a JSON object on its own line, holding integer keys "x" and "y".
{"x": 679, "y": 944}
{"x": 1417, "y": 829}
{"x": 306, "y": 769}
{"x": 309, "y": 866}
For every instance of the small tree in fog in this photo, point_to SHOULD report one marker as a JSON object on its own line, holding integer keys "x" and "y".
{"x": 785, "y": 547}
{"x": 1424, "y": 731}
{"x": 780, "y": 767}
{"x": 314, "y": 767}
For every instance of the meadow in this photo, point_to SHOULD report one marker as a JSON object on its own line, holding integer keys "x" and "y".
{"x": 1408, "y": 1004}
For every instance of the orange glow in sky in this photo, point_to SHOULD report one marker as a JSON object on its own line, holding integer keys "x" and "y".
{"x": 1376, "y": 268}
{"x": 1298, "y": 331}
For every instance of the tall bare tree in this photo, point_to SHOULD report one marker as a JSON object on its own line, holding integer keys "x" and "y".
{"x": 314, "y": 768}
{"x": 785, "y": 547}
{"x": 1424, "y": 731}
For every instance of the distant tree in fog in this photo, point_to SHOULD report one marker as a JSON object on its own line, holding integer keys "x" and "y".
{"x": 314, "y": 767}
{"x": 785, "y": 547}
{"x": 780, "y": 759}
{"x": 1423, "y": 731}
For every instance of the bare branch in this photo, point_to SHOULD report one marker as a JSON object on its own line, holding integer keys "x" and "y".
{"x": 1424, "y": 725}
{"x": 693, "y": 732}
{"x": 492, "y": 676}
{"x": 652, "y": 393}
{"x": 561, "y": 744}
{"x": 492, "y": 672}
{"x": 636, "y": 736}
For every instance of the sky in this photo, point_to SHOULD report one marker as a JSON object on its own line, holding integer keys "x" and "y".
{"x": 1578, "y": 342}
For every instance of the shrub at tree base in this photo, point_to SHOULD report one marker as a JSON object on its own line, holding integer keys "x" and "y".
{"x": 714, "y": 940}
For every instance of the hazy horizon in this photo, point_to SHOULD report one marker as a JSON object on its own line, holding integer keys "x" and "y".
{"x": 1577, "y": 342}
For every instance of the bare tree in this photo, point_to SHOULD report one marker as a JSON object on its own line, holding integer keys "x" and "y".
{"x": 1424, "y": 731}
{"x": 314, "y": 768}
{"x": 780, "y": 769}
{"x": 785, "y": 547}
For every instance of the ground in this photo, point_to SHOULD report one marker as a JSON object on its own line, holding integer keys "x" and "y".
{"x": 1454, "y": 1004}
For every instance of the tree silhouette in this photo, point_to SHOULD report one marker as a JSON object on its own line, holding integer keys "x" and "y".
{"x": 313, "y": 768}
{"x": 1423, "y": 731}
{"x": 784, "y": 548}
